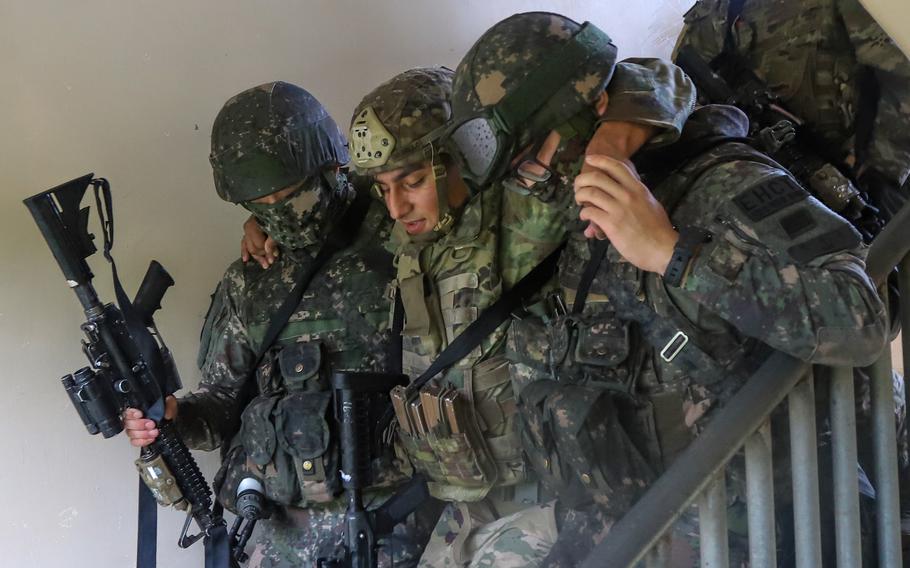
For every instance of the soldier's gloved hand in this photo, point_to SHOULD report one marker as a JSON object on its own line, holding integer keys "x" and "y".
{"x": 637, "y": 225}
{"x": 142, "y": 431}
{"x": 257, "y": 245}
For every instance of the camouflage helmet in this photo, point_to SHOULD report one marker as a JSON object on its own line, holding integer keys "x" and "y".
{"x": 525, "y": 76}
{"x": 270, "y": 137}
{"x": 401, "y": 120}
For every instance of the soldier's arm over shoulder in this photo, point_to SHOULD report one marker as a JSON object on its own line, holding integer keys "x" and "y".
{"x": 889, "y": 150}
{"x": 226, "y": 360}
{"x": 783, "y": 268}
{"x": 653, "y": 92}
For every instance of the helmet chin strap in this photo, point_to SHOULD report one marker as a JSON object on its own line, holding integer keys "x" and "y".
{"x": 447, "y": 216}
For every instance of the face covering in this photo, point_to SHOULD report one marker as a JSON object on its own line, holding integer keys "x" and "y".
{"x": 303, "y": 218}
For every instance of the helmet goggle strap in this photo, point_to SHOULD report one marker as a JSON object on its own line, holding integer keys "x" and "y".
{"x": 517, "y": 108}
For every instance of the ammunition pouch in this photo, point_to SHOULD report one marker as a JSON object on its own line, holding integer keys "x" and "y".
{"x": 592, "y": 345}
{"x": 576, "y": 442}
{"x": 285, "y": 439}
{"x": 465, "y": 441}
{"x": 571, "y": 371}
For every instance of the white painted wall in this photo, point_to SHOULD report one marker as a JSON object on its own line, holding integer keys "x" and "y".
{"x": 128, "y": 89}
{"x": 894, "y": 17}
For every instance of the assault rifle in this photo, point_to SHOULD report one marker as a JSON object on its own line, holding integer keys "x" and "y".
{"x": 781, "y": 134}
{"x": 129, "y": 364}
{"x": 360, "y": 399}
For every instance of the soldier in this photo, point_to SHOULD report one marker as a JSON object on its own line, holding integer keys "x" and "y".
{"x": 714, "y": 253}
{"x": 833, "y": 66}
{"x": 276, "y": 152}
{"x": 461, "y": 247}
{"x": 830, "y": 63}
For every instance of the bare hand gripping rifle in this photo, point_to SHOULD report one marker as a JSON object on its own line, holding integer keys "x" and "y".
{"x": 129, "y": 365}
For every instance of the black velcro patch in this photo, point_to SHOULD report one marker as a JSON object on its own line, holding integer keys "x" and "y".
{"x": 769, "y": 197}
{"x": 797, "y": 223}
{"x": 842, "y": 238}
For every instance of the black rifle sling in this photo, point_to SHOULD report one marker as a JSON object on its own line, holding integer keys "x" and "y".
{"x": 491, "y": 318}
{"x": 148, "y": 347}
{"x": 147, "y": 509}
{"x": 396, "y": 347}
{"x": 147, "y": 528}
{"x": 587, "y": 277}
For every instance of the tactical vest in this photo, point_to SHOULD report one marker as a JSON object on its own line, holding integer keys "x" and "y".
{"x": 464, "y": 435}
{"x": 288, "y": 438}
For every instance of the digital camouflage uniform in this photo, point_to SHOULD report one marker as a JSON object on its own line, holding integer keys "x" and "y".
{"x": 287, "y": 433}
{"x": 495, "y": 516}
{"x": 811, "y": 54}
{"x": 815, "y": 56}
{"x": 780, "y": 270}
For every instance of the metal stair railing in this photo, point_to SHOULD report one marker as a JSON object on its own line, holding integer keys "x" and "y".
{"x": 698, "y": 473}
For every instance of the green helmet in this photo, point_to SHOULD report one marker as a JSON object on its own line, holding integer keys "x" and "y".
{"x": 270, "y": 137}
{"x": 402, "y": 122}
{"x": 527, "y": 75}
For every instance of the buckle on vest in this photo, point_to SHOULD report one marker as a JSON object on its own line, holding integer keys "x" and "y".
{"x": 674, "y": 346}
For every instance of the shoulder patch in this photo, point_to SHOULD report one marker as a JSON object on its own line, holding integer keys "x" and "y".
{"x": 797, "y": 223}
{"x": 769, "y": 197}
{"x": 841, "y": 238}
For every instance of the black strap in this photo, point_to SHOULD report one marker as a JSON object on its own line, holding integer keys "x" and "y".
{"x": 147, "y": 528}
{"x": 135, "y": 323}
{"x": 402, "y": 503}
{"x": 490, "y": 319}
{"x": 866, "y": 112}
{"x": 587, "y": 278}
{"x": 217, "y": 544}
{"x": 396, "y": 347}
{"x": 147, "y": 510}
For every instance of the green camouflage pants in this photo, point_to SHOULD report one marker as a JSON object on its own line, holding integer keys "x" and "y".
{"x": 468, "y": 535}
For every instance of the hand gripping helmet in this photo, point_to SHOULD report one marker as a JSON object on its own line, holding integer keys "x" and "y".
{"x": 270, "y": 137}
{"x": 527, "y": 75}
{"x": 402, "y": 122}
